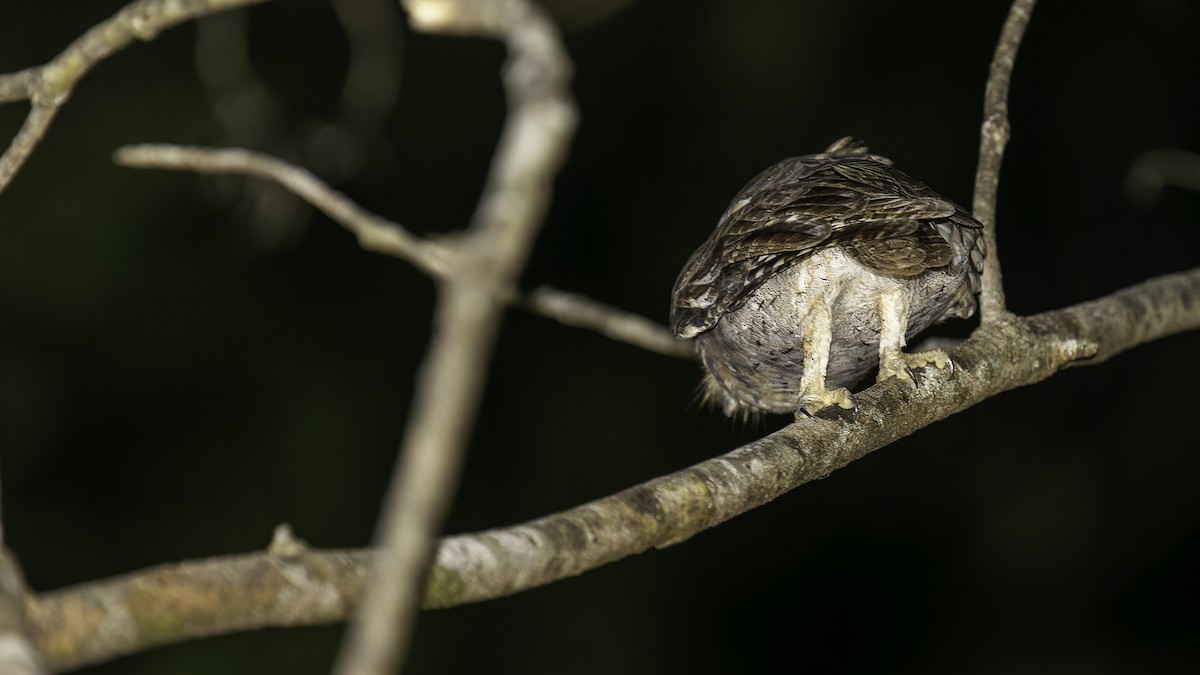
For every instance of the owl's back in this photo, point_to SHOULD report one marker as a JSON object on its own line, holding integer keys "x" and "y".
{"x": 843, "y": 197}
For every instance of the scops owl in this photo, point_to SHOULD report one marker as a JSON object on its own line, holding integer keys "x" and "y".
{"x": 822, "y": 267}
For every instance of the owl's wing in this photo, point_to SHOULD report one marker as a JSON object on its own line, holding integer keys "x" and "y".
{"x": 796, "y": 208}
{"x": 905, "y": 256}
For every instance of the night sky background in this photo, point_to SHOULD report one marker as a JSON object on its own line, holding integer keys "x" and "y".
{"x": 187, "y": 361}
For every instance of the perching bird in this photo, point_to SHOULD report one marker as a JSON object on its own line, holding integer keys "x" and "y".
{"x": 822, "y": 267}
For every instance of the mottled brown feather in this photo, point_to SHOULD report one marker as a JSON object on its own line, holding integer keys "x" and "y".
{"x": 844, "y": 196}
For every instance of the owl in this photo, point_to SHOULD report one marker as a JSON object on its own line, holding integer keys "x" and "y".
{"x": 823, "y": 267}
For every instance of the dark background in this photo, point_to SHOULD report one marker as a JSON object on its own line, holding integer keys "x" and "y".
{"x": 187, "y": 361}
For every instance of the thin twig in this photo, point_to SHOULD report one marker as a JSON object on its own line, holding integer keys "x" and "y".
{"x": 532, "y": 147}
{"x": 47, "y": 87}
{"x": 992, "y": 139}
{"x": 580, "y": 311}
{"x": 388, "y": 237}
{"x": 36, "y": 123}
{"x": 374, "y": 233}
{"x": 99, "y": 620}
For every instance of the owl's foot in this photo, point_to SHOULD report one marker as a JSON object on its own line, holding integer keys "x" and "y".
{"x": 900, "y": 365}
{"x": 813, "y": 402}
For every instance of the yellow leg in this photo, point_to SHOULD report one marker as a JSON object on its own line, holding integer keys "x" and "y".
{"x": 818, "y": 333}
{"x": 893, "y": 362}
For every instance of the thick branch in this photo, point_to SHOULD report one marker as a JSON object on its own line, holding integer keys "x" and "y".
{"x": 1128, "y": 318}
{"x": 100, "y": 620}
{"x": 171, "y": 603}
{"x": 992, "y": 140}
{"x": 48, "y": 87}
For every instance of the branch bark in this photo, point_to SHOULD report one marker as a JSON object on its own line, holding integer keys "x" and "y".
{"x": 993, "y": 137}
{"x": 97, "y": 621}
{"x": 532, "y": 147}
{"x": 49, "y": 86}
{"x": 18, "y": 656}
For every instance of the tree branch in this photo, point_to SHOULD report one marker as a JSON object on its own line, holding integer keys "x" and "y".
{"x": 17, "y": 653}
{"x": 47, "y": 87}
{"x": 18, "y": 656}
{"x": 96, "y": 621}
{"x": 380, "y": 235}
{"x": 374, "y": 233}
{"x": 532, "y": 147}
{"x": 993, "y": 138}
{"x": 580, "y": 311}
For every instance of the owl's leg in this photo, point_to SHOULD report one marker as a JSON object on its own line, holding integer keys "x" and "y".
{"x": 818, "y": 334}
{"x": 893, "y": 361}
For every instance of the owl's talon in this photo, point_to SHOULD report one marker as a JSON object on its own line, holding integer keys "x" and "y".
{"x": 839, "y": 400}
{"x": 896, "y": 368}
{"x": 902, "y": 365}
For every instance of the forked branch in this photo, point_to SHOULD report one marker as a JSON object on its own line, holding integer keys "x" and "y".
{"x": 491, "y": 255}
{"x": 47, "y": 87}
{"x": 380, "y": 235}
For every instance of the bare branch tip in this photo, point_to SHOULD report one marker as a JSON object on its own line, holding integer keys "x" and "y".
{"x": 285, "y": 544}
{"x": 1077, "y": 349}
{"x": 143, "y": 26}
{"x": 129, "y": 155}
{"x": 147, "y": 155}
{"x": 430, "y": 15}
